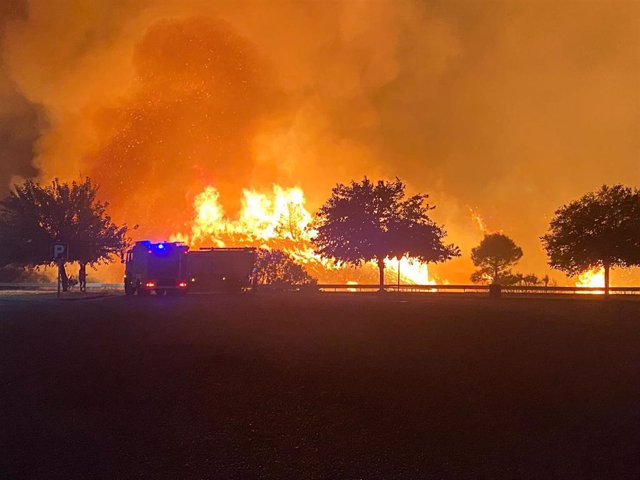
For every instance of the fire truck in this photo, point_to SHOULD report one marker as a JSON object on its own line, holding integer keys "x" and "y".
{"x": 156, "y": 267}
{"x": 221, "y": 269}
{"x": 171, "y": 268}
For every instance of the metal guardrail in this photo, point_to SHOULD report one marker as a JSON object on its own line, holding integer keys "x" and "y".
{"x": 571, "y": 290}
{"x": 341, "y": 287}
{"x": 93, "y": 287}
{"x": 460, "y": 288}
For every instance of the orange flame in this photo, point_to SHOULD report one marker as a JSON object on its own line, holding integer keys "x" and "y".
{"x": 277, "y": 220}
{"x": 262, "y": 218}
{"x": 592, "y": 278}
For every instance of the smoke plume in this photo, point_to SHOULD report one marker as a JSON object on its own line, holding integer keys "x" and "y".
{"x": 19, "y": 118}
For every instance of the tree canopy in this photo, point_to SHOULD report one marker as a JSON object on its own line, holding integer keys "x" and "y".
{"x": 367, "y": 221}
{"x": 495, "y": 256}
{"x": 277, "y": 268}
{"x": 34, "y": 217}
{"x": 599, "y": 230}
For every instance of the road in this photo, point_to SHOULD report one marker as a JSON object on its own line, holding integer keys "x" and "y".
{"x": 319, "y": 386}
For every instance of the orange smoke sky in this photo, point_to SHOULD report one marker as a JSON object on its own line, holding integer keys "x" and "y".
{"x": 509, "y": 108}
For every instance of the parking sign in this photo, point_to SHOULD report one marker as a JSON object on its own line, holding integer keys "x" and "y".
{"x": 60, "y": 251}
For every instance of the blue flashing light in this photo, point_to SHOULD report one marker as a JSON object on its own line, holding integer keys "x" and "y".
{"x": 163, "y": 248}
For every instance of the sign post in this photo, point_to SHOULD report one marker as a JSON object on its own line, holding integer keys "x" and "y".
{"x": 58, "y": 276}
{"x": 60, "y": 255}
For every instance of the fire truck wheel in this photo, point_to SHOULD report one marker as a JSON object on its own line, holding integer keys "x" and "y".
{"x": 143, "y": 292}
{"x": 160, "y": 291}
{"x": 129, "y": 289}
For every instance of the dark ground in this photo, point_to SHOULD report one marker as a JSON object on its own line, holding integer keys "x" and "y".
{"x": 319, "y": 387}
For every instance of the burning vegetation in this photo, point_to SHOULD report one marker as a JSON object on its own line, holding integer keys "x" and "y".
{"x": 280, "y": 221}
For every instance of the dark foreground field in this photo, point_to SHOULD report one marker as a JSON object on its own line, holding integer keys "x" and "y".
{"x": 319, "y": 387}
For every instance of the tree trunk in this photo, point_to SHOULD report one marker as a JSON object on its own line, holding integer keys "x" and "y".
{"x": 381, "y": 269}
{"x": 606, "y": 278}
{"x": 82, "y": 277}
{"x": 495, "y": 274}
{"x": 64, "y": 279}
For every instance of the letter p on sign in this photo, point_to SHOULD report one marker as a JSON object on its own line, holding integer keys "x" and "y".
{"x": 60, "y": 251}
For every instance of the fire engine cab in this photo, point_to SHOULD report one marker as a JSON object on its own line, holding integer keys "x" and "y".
{"x": 156, "y": 267}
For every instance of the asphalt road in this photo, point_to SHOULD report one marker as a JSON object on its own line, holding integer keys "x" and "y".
{"x": 326, "y": 386}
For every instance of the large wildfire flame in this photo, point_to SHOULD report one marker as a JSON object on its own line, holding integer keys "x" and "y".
{"x": 280, "y": 220}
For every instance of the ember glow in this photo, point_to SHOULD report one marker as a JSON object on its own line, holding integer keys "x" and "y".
{"x": 478, "y": 221}
{"x": 592, "y": 278}
{"x": 279, "y": 219}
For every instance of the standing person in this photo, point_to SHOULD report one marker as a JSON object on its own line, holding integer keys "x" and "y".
{"x": 82, "y": 277}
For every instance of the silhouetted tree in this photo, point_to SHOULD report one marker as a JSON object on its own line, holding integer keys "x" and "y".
{"x": 367, "y": 221}
{"x": 34, "y": 217}
{"x": 275, "y": 267}
{"x": 600, "y": 230}
{"x": 12, "y": 273}
{"x": 494, "y": 257}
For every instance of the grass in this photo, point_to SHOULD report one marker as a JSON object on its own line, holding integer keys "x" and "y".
{"x": 320, "y": 386}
